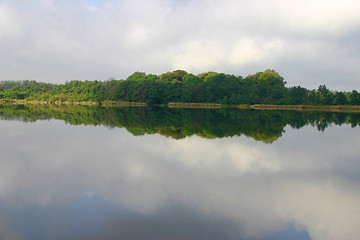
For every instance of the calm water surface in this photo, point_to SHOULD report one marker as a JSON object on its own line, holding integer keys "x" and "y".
{"x": 63, "y": 181}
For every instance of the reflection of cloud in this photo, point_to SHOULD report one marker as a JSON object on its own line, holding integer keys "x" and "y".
{"x": 258, "y": 186}
{"x": 175, "y": 224}
{"x": 6, "y": 233}
{"x": 327, "y": 211}
{"x": 214, "y": 155}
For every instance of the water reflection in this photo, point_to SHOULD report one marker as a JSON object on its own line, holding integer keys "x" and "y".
{"x": 265, "y": 126}
{"x": 61, "y": 181}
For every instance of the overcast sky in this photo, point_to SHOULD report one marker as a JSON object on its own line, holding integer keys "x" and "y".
{"x": 308, "y": 42}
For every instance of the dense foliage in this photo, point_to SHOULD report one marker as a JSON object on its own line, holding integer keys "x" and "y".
{"x": 266, "y": 87}
{"x": 265, "y": 126}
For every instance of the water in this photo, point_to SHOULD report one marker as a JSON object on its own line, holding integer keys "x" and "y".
{"x": 93, "y": 173}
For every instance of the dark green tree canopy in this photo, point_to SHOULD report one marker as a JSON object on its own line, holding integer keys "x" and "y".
{"x": 267, "y": 87}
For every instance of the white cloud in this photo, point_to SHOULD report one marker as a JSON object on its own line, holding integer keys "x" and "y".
{"x": 334, "y": 17}
{"x": 92, "y": 8}
{"x": 198, "y": 56}
{"x": 8, "y": 22}
{"x": 59, "y": 41}
{"x": 205, "y": 55}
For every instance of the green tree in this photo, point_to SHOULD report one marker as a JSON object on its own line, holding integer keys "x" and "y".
{"x": 329, "y": 99}
{"x": 323, "y": 90}
{"x": 176, "y": 75}
{"x": 355, "y": 98}
{"x": 296, "y": 95}
{"x": 340, "y": 99}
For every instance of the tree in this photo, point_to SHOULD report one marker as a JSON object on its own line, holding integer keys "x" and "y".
{"x": 154, "y": 95}
{"x": 269, "y": 86}
{"x": 136, "y": 76}
{"x": 323, "y": 90}
{"x": 355, "y": 98}
{"x": 179, "y": 86}
{"x": 296, "y": 95}
{"x": 340, "y": 99}
{"x": 176, "y": 75}
{"x": 329, "y": 99}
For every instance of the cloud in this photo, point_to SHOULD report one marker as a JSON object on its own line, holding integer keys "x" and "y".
{"x": 59, "y": 41}
{"x": 8, "y": 25}
{"x": 203, "y": 56}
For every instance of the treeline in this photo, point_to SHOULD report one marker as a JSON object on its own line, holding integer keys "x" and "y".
{"x": 266, "y": 87}
{"x": 265, "y": 126}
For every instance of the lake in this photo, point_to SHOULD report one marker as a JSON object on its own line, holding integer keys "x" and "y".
{"x": 82, "y": 172}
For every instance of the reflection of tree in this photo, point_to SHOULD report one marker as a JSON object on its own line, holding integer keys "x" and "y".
{"x": 265, "y": 126}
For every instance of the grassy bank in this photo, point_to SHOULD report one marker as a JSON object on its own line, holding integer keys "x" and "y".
{"x": 327, "y": 108}
{"x": 104, "y": 103}
{"x": 195, "y": 105}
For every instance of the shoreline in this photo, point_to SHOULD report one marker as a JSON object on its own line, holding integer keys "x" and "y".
{"x": 88, "y": 103}
{"x": 324, "y": 108}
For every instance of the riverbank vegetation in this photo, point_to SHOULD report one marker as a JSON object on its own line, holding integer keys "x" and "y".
{"x": 266, "y": 87}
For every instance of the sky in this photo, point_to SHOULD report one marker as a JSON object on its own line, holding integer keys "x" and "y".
{"x": 308, "y": 42}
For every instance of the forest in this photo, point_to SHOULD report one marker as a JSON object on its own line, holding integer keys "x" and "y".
{"x": 266, "y": 87}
